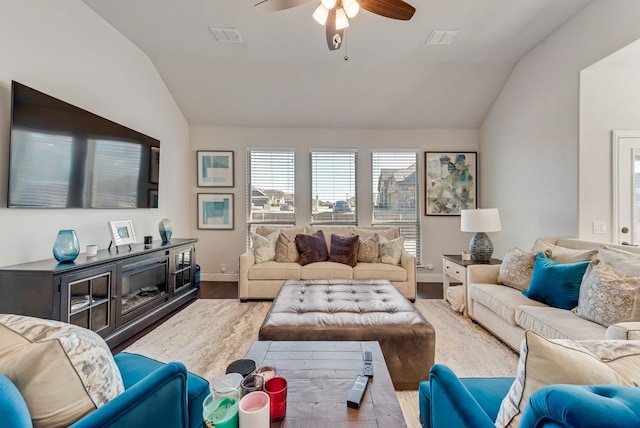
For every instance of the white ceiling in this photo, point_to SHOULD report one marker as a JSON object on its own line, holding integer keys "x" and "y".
{"x": 283, "y": 74}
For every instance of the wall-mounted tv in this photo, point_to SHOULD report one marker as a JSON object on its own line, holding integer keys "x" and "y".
{"x": 62, "y": 156}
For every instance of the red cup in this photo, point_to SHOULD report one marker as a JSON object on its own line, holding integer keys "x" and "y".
{"x": 276, "y": 388}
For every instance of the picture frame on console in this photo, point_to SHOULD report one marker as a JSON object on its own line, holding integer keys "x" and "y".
{"x": 215, "y": 211}
{"x": 215, "y": 168}
{"x": 451, "y": 182}
{"x": 122, "y": 232}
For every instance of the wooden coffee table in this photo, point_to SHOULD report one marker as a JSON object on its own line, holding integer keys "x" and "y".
{"x": 321, "y": 374}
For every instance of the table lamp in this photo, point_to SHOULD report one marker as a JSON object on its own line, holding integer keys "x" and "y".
{"x": 480, "y": 221}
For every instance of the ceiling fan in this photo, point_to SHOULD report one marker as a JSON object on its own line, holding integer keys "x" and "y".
{"x": 335, "y": 14}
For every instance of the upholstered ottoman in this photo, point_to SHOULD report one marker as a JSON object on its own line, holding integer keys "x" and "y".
{"x": 351, "y": 309}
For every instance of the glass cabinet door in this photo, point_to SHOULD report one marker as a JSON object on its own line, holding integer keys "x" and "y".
{"x": 89, "y": 300}
{"x": 183, "y": 268}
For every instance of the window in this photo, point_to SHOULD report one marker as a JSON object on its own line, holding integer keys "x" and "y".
{"x": 395, "y": 195}
{"x": 333, "y": 187}
{"x": 270, "y": 188}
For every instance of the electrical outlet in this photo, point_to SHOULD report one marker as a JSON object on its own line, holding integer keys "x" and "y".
{"x": 599, "y": 227}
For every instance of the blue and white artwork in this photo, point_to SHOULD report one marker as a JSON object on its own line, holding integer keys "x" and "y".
{"x": 450, "y": 182}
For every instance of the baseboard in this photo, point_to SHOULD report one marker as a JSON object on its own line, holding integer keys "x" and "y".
{"x": 219, "y": 277}
{"x": 428, "y": 277}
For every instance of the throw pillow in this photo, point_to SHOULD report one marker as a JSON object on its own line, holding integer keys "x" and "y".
{"x": 62, "y": 371}
{"x": 391, "y": 232}
{"x": 607, "y": 296}
{"x": 564, "y": 254}
{"x": 516, "y": 268}
{"x": 545, "y": 362}
{"x": 556, "y": 284}
{"x": 311, "y": 248}
{"x": 286, "y": 250}
{"x": 391, "y": 250}
{"x": 624, "y": 261}
{"x": 330, "y": 230}
{"x": 369, "y": 249}
{"x": 264, "y": 247}
{"x": 344, "y": 249}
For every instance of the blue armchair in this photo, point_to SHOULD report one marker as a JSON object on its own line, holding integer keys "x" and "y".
{"x": 448, "y": 401}
{"x": 156, "y": 394}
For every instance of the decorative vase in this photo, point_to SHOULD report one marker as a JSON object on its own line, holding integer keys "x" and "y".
{"x": 166, "y": 229}
{"x": 66, "y": 248}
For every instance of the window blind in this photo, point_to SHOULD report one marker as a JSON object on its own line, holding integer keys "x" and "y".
{"x": 333, "y": 187}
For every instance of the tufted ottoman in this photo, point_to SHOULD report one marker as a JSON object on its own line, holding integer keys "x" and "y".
{"x": 351, "y": 309}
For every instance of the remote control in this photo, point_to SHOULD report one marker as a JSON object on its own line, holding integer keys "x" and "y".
{"x": 357, "y": 392}
{"x": 368, "y": 364}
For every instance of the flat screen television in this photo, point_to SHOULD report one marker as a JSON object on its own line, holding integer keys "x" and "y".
{"x": 62, "y": 156}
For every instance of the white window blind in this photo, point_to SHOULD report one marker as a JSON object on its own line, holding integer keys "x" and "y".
{"x": 396, "y": 195}
{"x": 333, "y": 187}
{"x": 270, "y": 188}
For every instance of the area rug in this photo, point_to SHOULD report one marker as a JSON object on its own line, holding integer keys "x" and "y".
{"x": 210, "y": 333}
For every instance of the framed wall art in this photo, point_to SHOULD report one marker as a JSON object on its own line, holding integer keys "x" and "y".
{"x": 215, "y": 211}
{"x": 215, "y": 169}
{"x": 451, "y": 182}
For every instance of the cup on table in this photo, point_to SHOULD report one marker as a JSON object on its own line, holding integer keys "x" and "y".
{"x": 254, "y": 410}
{"x": 267, "y": 372}
{"x": 276, "y": 389}
{"x": 221, "y": 411}
{"x": 251, "y": 383}
{"x": 92, "y": 250}
{"x": 229, "y": 381}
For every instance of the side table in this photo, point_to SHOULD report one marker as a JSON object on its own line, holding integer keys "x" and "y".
{"x": 454, "y": 268}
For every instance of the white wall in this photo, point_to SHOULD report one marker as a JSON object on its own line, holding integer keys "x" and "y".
{"x": 529, "y": 140}
{"x": 440, "y": 235}
{"x": 64, "y": 49}
{"x": 609, "y": 100}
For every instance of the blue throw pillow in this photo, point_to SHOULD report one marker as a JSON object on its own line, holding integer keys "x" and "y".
{"x": 556, "y": 284}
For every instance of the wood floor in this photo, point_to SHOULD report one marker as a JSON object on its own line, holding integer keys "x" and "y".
{"x": 229, "y": 290}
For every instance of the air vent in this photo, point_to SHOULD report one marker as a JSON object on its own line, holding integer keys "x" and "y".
{"x": 441, "y": 37}
{"x": 228, "y": 35}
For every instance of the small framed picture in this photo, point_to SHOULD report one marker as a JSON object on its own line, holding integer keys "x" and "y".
{"x": 122, "y": 232}
{"x": 451, "y": 182}
{"x": 215, "y": 211}
{"x": 215, "y": 169}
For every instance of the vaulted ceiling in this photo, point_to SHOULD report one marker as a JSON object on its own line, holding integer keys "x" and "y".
{"x": 283, "y": 75}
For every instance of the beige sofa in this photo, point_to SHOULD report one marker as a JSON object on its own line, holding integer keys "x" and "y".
{"x": 263, "y": 280}
{"x": 507, "y": 313}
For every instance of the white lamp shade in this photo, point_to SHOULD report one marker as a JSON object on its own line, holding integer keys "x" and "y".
{"x": 480, "y": 220}
{"x": 351, "y": 7}
{"x": 341, "y": 19}
{"x": 321, "y": 14}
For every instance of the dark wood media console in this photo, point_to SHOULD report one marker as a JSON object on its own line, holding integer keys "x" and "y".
{"x": 116, "y": 293}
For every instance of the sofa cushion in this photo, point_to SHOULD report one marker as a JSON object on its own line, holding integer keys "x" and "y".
{"x": 563, "y": 254}
{"x": 274, "y": 270}
{"x": 516, "y": 268}
{"x": 554, "y": 323}
{"x": 608, "y": 296}
{"x": 556, "y": 284}
{"x": 379, "y": 271}
{"x": 344, "y": 249}
{"x": 500, "y": 299}
{"x": 326, "y": 270}
{"x": 545, "y": 362}
{"x": 390, "y": 233}
{"x": 328, "y": 231}
{"x": 62, "y": 371}
{"x": 624, "y": 261}
{"x": 369, "y": 249}
{"x": 264, "y": 247}
{"x": 391, "y": 250}
{"x": 286, "y": 250}
{"x": 312, "y": 248}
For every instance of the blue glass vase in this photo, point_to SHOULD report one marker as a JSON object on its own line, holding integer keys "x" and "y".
{"x": 66, "y": 248}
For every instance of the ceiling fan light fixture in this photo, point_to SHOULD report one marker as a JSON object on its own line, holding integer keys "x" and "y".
{"x": 351, "y": 7}
{"x": 341, "y": 19}
{"x": 321, "y": 14}
{"x": 329, "y": 4}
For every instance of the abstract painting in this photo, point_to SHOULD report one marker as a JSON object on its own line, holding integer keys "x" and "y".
{"x": 215, "y": 211}
{"x": 215, "y": 169}
{"x": 450, "y": 182}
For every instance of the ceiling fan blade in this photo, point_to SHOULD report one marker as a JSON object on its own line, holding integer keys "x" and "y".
{"x": 276, "y": 5}
{"x": 334, "y": 37}
{"x": 394, "y": 9}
